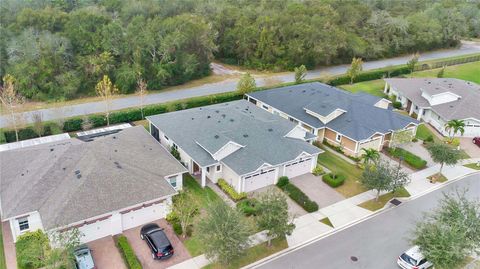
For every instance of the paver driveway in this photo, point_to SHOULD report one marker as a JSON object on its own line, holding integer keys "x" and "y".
{"x": 317, "y": 190}
{"x": 143, "y": 251}
{"x": 471, "y": 149}
{"x": 106, "y": 254}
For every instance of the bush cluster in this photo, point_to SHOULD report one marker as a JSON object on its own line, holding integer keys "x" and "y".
{"x": 248, "y": 207}
{"x": 30, "y": 248}
{"x": 297, "y": 195}
{"x": 230, "y": 191}
{"x": 410, "y": 158}
{"x": 318, "y": 171}
{"x": 333, "y": 180}
{"x": 370, "y": 75}
{"x": 127, "y": 252}
{"x": 397, "y": 104}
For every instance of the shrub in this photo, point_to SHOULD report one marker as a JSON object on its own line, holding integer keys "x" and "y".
{"x": 338, "y": 149}
{"x": 30, "y": 249}
{"x": 175, "y": 153}
{"x": 414, "y": 139}
{"x": 230, "y": 191}
{"x": 397, "y": 104}
{"x": 410, "y": 158}
{"x": 300, "y": 197}
{"x": 177, "y": 228}
{"x": 2, "y": 137}
{"x": 282, "y": 181}
{"x": 370, "y": 75}
{"x": 429, "y": 138}
{"x": 333, "y": 180}
{"x": 127, "y": 253}
{"x": 318, "y": 171}
{"x": 248, "y": 207}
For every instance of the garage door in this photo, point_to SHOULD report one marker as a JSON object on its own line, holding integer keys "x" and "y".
{"x": 299, "y": 167}
{"x": 143, "y": 215}
{"x": 96, "y": 230}
{"x": 259, "y": 180}
{"x": 472, "y": 130}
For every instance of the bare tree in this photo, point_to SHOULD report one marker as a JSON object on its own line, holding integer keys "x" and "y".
{"x": 10, "y": 100}
{"x": 105, "y": 89}
{"x": 38, "y": 127}
{"x": 142, "y": 91}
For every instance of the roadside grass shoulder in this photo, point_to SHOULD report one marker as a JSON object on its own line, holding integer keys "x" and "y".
{"x": 373, "y": 205}
{"x": 253, "y": 254}
{"x": 3, "y": 263}
{"x": 468, "y": 71}
{"x": 472, "y": 166}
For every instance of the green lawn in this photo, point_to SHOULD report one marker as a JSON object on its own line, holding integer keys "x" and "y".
{"x": 423, "y": 132}
{"x": 205, "y": 196}
{"x": 473, "y": 166}
{"x": 352, "y": 185}
{"x": 253, "y": 254}
{"x": 2, "y": 253}
{"x": 468, "y": 71}
{"x": 373, "y": 205}
{"x": 374, "y": 87}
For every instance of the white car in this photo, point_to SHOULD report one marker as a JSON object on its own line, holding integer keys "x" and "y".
{"x": 413, "y": 259}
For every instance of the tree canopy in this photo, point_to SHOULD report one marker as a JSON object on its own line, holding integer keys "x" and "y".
{"x": 60, "y": 49}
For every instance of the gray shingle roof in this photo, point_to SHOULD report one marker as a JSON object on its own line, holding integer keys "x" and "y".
{"x": 261, "y": 133}
{"x": 70, "y": 181}
{"x": 466, "y": 107}
{"x": 361, "y": 120}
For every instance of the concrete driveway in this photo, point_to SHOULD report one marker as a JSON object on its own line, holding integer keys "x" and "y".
{"x": 144, "y": 254}
{"x": 317, "y": 190}
{"x": 105, "y": 254}
{"x": 471, "y": 149}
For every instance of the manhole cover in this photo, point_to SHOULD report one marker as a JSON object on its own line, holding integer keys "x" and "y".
{"x": 353, "y": 258}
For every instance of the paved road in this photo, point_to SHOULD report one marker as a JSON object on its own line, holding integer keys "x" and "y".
{"x": 376, "y": 242}
{"x": 229, "y": 85}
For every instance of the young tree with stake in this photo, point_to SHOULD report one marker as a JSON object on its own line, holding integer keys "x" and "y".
{"x": 142, "y": 91}
{"x": 355, "y": 68}
{"x": 10, "y": 100}
{"x": 185, "y": 207}
{"x": 105, "y": 89}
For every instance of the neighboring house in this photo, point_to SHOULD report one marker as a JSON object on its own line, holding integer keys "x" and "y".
{"x": 350, "y": 120}
{"x": 238, "y": 142}
{"x": 439, "y": 100}
{"x": 102, "y": 184}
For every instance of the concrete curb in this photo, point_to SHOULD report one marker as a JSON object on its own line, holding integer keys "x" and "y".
{"x": 348, "y": 225}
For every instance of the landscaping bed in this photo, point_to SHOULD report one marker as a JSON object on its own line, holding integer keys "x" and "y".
{"x": 437, "y": 178}
{"x": 297, "y": 195}
{"x": 333, "y": 180}
{"x": 230, "y": 191}
{"x": 411, "y": 159}
{"x": 472, "y": 166}
{"x": 253, "y": 254}
{"x": 373, "y": 205}
{"x": 3, "y": 263}
{"x": 127, "y": 252}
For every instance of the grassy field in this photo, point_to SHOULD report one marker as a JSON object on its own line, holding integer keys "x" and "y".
{"x": 373, "y": 87}
{"x": 352, "y": 185}
{"x": 468, "y": 71}
{"x": 253, "y": 254}
{"x": 2, "y": 253}
{"x": 373, "y": 205}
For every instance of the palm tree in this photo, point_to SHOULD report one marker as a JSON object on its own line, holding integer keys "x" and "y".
{"x": 455, "y": 126}
{"x": 370, "y": 155}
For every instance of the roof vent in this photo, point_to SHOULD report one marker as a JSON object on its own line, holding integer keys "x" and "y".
{"x": 193, "y": 118}
{"x": 451, "y": 106}
{"x": 77, "y": 172}
{"x": 52, "y": 150}
{"x": 217, "y": 136}
{"x": 23, "y": 174}
{"x": 304, "y": 91}
{"x": 208, "y": 117}
{"x": 270, "y": 130}
{"x": 218, "y": 121}
{"x": 232, "y": 120}
{"x": 216, "y": 111}
{"x": 79, "y": 176}
{"x": 115, "y": 150}
{"x": 118, "y": 165}
{"x": 223, "y": 116}
{"x": 245, "y": 135}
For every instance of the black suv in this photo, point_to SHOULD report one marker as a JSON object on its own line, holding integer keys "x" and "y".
{"x": 157, "y": 241}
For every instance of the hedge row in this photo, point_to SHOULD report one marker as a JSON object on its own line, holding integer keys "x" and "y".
{"x": 121, "y": 116}
{"x": 371, "y": 75}
{"x": 127, "y": 253}
{"x": 230, "y": 191}
{"x": 297, "y": 195}
{"x": 410, "y": 158}
{"x": 333, "y": 180}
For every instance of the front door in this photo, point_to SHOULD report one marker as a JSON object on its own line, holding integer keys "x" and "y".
{"x": 409, "y": 105}
{"x": 196, "y": 168}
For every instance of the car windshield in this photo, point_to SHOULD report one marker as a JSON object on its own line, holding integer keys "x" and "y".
{"x": 160, "y": 239}
{"x": 408, "y": 259}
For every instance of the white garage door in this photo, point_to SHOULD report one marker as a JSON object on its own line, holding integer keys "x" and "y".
{"x": 143, "y": 215}
{"x": 259, "y": 180}
{"x": 96, "y": 230}
{"x": 472, "y": 131}
{"x": 299, "y": 167}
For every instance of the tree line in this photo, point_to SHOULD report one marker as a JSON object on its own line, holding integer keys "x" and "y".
{"x": 60, "y": 49}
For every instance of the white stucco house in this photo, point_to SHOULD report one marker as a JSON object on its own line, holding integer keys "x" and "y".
{"x": 439, "y": 100}
{"x": 102, "y": 184}
{"x": 237, "y": 141}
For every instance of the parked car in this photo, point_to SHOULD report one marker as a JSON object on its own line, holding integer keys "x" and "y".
{"x": 476, "y": 141}
{"x": 83, "y": 258}
{"x": 157, "y": 241}
{"x": 413, "y": 259}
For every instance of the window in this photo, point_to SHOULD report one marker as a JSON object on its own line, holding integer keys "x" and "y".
{"x": 265, "y": 107}
{"x": 219, "y": 168}
{"x": 338, "y": 137}
{"x": 23, "y": 224}
{"x": 166, "y": 137}
{"x": 173, "y": 181}
{"x": 423, "y": 113}
{"x": 416, "y": 107}
{"x": 208, "y": 169}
